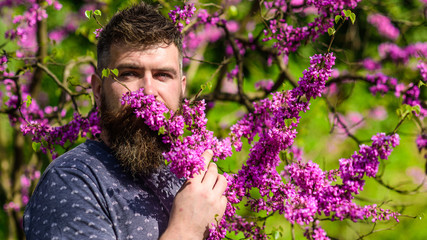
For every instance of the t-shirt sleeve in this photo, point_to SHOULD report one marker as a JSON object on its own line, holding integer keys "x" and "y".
{"x": 67, "y": 204}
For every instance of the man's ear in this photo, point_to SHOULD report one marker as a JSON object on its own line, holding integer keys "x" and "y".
{"x": 96, "y": 83}
{"x": 183, "y": 84}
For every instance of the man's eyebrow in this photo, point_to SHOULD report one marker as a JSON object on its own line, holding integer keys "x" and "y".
{"x": 129, "y": 65}
{"x": 138, "y": 67}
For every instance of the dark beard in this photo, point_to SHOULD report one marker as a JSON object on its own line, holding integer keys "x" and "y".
{"x": 137, "y": 148}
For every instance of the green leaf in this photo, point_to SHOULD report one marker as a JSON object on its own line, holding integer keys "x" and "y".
{"x": 162, "y": 130}
{"x": 209, "y": 84}
{"x": 115, "y": 71}
{"x": 167, "y": 115}
{"x": 97, "y": 12}
{"x": 331, "y": 31}
{"x": 421, "y": 83}
{"x": 36, "y": 146}
{"x": 347, "y": 13}
{"x": 88, "y": 13}
{"x": 407, "y": 111}
{"x": 46, "y": 59}
{"x": 352, "y": 18}
{"x": 337, "y": 18}
{"x": 289, "y": 155}
{"x": 276, "y": 234}
{"x": 73, "y": 80}
{"x": 416, "y": 109}
{"x": 233, "y": 11}
{"x": 288, "y": 122}
{"x": 90, "y": 53}
{"x": 399, "y": 113}
{"x": 29, "y": 100}
{"x": 105, "y": 72}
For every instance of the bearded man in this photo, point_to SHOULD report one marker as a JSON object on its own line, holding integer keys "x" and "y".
{"x": 118, "y": 187}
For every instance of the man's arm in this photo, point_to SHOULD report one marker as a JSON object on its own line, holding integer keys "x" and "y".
{"x": 197, "y": 203}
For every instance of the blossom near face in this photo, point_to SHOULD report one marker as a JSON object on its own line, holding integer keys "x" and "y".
{"x": 156, "y": 69}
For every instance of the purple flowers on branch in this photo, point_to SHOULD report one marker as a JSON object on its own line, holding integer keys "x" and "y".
{"x": 384, "y": 26}
{"x": 182, "y": 14}
{"x": 302, "y": 191}
{"x": 49, "y": 136}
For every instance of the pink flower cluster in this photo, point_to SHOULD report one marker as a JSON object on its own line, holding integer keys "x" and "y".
{"x": 3, "y": 63}
{"x": 30, "y": 175}
{"x": 287, "y": 38}
{"x": 185, "y": 131}
{"x": 370, "y": 64}
{"x": 402, "y": 54}
{"x": 265, "y": 85}
{"x": 27, "y": 23}
{"x": 410, "y": 93}
{"x": 50, "y": 136}
{"x": 421, "y": 142}
{"x": 422, "y": 66}
{"x": 309, "y": 190}
{"x": 34, "y": 119}
{"x": 97, "y": 32}
{"x": 382, "y": 83}
{"x": 384, "y": 26}
{"x": 182, "y": 14}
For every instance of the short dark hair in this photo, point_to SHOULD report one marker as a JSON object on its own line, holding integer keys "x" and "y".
{"x": 139, "y": 26}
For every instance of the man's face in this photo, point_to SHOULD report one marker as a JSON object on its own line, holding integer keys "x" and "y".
{"x": 155, "y": 69}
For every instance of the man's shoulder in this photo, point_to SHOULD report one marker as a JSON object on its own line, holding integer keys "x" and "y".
{"x": 90, "y": 153}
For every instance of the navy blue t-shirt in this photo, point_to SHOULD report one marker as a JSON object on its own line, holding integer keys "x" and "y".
{"x": 85, "y": 194}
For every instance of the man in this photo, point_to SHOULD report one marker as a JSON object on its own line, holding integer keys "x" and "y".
{"x": 118, "y": 187}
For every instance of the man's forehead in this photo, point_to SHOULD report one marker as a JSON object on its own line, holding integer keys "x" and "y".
{"x": 121, "y": 53}
{"x": 121, "y": 47}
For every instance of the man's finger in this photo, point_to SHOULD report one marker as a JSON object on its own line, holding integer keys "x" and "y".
{"x": 207, "y": 156}
{"x": 220, "y": 185}
{"x": 211, "y": 175}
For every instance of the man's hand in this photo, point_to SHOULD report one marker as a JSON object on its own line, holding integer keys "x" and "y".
{"x": 198, "y": 204}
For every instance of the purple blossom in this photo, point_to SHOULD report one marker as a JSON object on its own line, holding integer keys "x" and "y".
{"x": 25, "y": 31}
{"x": 382, "y": 83}
{"x": 384, "y": 26}
{"x": 421, "y": 142}
{"x": 265, "y": 85}
{"x": 50, "y": 136}
{"x": 97, "y": 32}
{"x": 371, "y": 65}
{"x": 378, "y": 113}
{"x": 3, "y": 62}
{"x": 182, "y": 14}
{"x": 316, "y": 232}
{"x": 58, "y": 35}
{"x": 402, "y": 55}
{"x": 422, "y": 66}
{"x": 314, "y": 78}
{"x": 185, "y": 155}
{"x": 288, "y": 38}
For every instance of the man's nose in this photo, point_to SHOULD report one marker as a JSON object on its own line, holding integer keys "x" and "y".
{"x": 149, "y": 86}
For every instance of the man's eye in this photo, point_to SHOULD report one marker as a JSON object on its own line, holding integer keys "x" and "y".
{"x": 164, "y": 75}
{"x": 127, "y": 75}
